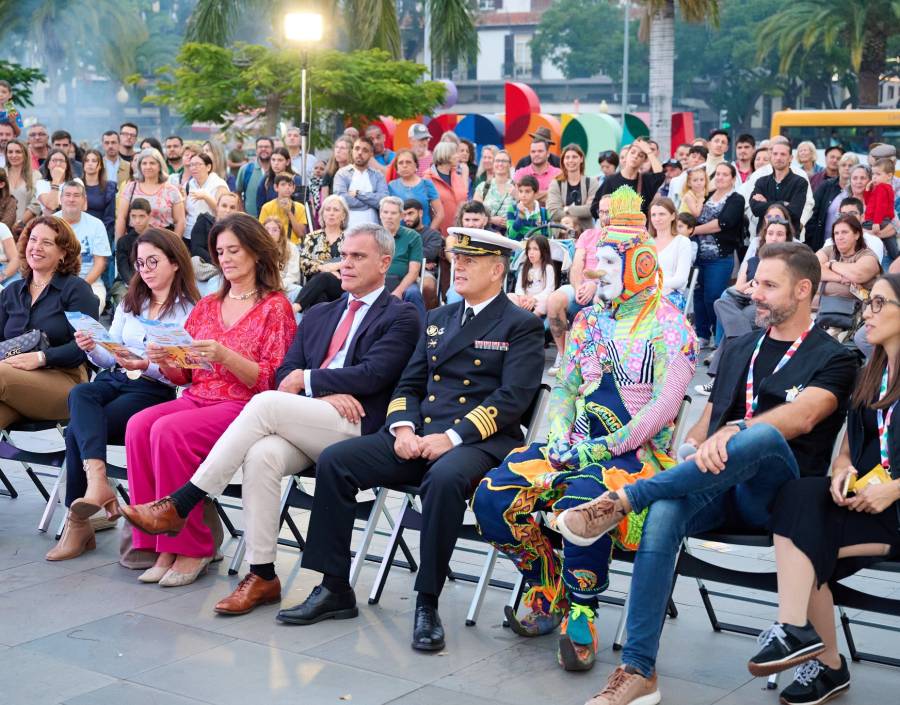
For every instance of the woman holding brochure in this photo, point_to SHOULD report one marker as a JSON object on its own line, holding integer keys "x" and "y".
{"x": 241, "y": 333}
{"x": 162, "y": 289}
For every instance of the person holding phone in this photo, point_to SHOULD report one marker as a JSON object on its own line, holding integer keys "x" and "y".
{"x": 838, "y": 528}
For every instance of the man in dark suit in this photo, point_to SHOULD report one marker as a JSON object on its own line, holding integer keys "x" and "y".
{"x": 334, "y": 384}
{"x": 454, "y": 415}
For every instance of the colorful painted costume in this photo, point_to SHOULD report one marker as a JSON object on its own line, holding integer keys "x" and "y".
{"x": 626, "y": 369}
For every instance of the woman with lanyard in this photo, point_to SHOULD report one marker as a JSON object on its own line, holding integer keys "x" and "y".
{"x": 498, "y": 192}
{"x": 838, "y": 522}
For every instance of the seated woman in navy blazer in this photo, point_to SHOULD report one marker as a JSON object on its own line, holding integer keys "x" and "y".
{"x": 162, "y": 288}
{"x": 36, "y": 384}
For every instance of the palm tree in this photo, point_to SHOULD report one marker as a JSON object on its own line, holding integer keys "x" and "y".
{"x": 862, "y": 27}
{"x": 367, "y": 23}
{"x": 659, "y": 27}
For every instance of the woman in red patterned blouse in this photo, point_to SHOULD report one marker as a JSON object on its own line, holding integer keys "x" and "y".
{"x": 244, "y": 331}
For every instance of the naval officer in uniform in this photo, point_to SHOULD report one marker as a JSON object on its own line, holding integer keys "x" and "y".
{"x": 454, "y": 415}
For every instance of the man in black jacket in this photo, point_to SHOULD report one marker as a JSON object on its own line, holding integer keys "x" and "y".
{"x": 335, "y": 383}
{"x": 782, "y": 186}
{"x": 454, "y": 415}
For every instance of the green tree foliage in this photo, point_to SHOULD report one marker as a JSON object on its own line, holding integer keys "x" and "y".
{"x": 584, "y": 38}
{"x": 212, "y": 83}
{"x": 22, "y": 79}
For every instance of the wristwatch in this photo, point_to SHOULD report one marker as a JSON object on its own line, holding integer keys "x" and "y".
{"x": 740, "y": 423}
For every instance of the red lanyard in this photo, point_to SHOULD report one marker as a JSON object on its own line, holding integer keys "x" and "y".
{"x": 753, "y": 400}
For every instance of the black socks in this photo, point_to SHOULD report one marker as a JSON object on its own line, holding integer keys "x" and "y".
{"x": 186, "y": 498}
{"x": 425, "y": 599}
{"x": 333, "y": 583}
{"x": 266, "y": 571}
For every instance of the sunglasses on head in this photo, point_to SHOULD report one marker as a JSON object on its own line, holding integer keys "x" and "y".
{"x": 603, "y": 156}
{"x": 776, "y": 220}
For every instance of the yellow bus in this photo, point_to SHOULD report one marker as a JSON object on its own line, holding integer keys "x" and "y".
{"x": 854, "y": 130}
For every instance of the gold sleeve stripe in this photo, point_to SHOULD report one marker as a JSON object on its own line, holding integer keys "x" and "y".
{"x": 397, "y": 405}
{"x": 483, "y": 421}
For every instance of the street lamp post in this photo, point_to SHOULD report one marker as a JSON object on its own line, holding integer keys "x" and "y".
{"x": 625, "y": 64}
{"x": 305, "y": 28}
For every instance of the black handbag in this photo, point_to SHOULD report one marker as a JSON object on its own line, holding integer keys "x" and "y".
{"x": 836, "y": 311}
{"x": 32, "y": 341}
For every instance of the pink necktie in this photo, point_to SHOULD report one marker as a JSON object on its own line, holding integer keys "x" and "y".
{"x": 343, "y": 330}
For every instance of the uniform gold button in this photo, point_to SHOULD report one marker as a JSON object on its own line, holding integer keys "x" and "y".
{"x": 427, "y": 419}
{"x": 436, "y": 378}
{"x": 455, "y": 421}
{"x": 431, "y": 397}
{"x": 434, "y": 358}
{"x": 462, "y": 400}
{"x": 477, "y": 363}
{"x": 466, "y": 382}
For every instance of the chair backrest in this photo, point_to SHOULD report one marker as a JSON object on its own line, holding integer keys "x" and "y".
{"x": 535, "y": 413}
{"x": 679, "y": 430}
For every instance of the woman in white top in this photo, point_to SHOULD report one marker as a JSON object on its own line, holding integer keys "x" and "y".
{"x": 203, "y": 190}
{"x": 675, "y": 252}
{"x": 537, "y": 277}
{"x": 290, "y": 259}
{"x": 9, "y": 256}
{"x": 162, "y": 289}
{"x": 56, "y": 171}
{"x": 21, "y": 183}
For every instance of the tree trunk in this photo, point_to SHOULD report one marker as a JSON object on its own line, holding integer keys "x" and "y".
{"x": 273, "y": 113}
{"x": 872, "y": 66}
{"x": 662, "y": 61}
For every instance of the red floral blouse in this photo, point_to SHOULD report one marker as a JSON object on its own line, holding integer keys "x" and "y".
{"x": 263, "y": 335}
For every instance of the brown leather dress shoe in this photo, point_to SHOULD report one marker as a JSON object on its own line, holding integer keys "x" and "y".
{"x": 250, "y": 593}
{"x": 157, "y": 517}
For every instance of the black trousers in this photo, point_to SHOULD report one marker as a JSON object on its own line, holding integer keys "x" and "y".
{"x": 99, "y": 412}
{"x": 369, "y": 461}
{"x": 319, "y": 288}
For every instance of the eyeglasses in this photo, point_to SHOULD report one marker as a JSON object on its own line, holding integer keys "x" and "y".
{"x": 776, "y": 220}
{"x": 877, "y": 303}
{"x": 148, "y": 264}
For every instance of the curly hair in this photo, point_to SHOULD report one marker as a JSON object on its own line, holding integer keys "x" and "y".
{"x": 65, "y": 239}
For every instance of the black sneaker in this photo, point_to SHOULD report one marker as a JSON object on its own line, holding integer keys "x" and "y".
{"x": 785, "y": 646}
{"x": 815, "y": 683}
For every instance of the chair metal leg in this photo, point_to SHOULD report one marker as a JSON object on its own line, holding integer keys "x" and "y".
{"x": 10, "y": 491}
{"x": 52, "y": 499}
{"x": 369, "y": 533}
{"x": 772, "y": 682}
{"x": 619, "y": 639}
{"x": 36, "y": 480}
{"x": 225, "y": 520}
{"x": 487, "y": 570}
{"x": 389, "y": 554}
{"x": 235, "y": 564}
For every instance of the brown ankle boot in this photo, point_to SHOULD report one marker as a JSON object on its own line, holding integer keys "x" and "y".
{"x": 99, "y": 494}
{"x": 77, "y": 537}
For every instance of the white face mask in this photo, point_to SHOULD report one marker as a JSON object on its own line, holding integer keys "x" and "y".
{"x": 609, "y": 265}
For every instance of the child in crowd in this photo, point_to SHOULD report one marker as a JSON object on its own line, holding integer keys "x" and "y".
{"x": 290, "y": 214}
{"x": 290, "y": 258}
{"x": 685, "y": 225}
{"x": 138, "y": 222}
{"x": 537, "y": 277}
{"x": 314, "y": 189}
{"x": 572, "y": 228}
{"x": 527, "y": 213}
{"x": 879, "y": 198}
{"x": 8, "y": 112}
{"x": 695, "y": 190}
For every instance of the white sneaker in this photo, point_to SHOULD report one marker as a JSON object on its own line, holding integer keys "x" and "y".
{"x": 704, "y": 389}
{"x": 557, "y": 363}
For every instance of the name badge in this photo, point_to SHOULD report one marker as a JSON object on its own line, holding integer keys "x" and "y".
{"x": 491, "y": 345}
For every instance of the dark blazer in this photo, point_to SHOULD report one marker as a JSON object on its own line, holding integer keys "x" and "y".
{"x": 65, "y": 292}
{"x": 818, "y": 352}
{"x": 375, "y": 357}
{"x": 477, "y": 380}
{"x": 856, "y": 436}
{"x": 815, "y": 228}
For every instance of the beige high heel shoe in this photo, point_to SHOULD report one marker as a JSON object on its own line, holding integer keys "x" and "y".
{"x": 99, "y": 494}
{"x": 175, "y": 579}
{"x": 77, "y": 537}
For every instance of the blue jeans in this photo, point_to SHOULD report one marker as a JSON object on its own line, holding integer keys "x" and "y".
{"x": 452, "y": 296}
{"x": 414, "y": 296}
{"x": 713, "y": 277}
{"x": 683, "y": 501}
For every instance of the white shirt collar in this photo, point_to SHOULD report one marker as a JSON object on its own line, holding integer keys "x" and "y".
{"x": 369, "y": 298}
{"x": 478, "y": 308}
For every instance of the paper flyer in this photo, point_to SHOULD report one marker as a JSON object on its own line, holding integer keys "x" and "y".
{"x": 177, "y": 342}
{"x": 82, "y": 322}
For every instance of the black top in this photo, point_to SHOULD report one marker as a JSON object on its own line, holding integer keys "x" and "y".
{"x": 650, "y": 184}
{"x": 200, "y": 236}
{"x": 731, "y": 229}
{"x": 815, "y": 227}
{"x": 432, "y": 244}
{"x": 789, "y": 192}
{"x": 865, "y": 453}
{"x": 573, "y": 194}
{"x": 752, "y": 266}
{"x": 63, "y": 293}
{"x": 819, "y": 362}
{"x": 125, "y": 256}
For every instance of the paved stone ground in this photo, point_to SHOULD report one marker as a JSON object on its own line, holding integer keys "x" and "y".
{"x": 85, "y": 632}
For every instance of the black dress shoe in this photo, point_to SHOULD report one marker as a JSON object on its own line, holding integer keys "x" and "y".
{"x": 321, "y": 604}
{"x": 428, "y": 632}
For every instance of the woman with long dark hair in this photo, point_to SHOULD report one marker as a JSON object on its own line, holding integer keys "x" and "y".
{"x": 162, "y": 289}
{"x": 827, "y": 528}
{"x": 241, "y": 334}
{"x": 56, "y": 171}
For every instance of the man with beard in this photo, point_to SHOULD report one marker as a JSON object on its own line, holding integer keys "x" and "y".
{"x": 773, "y": 415}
